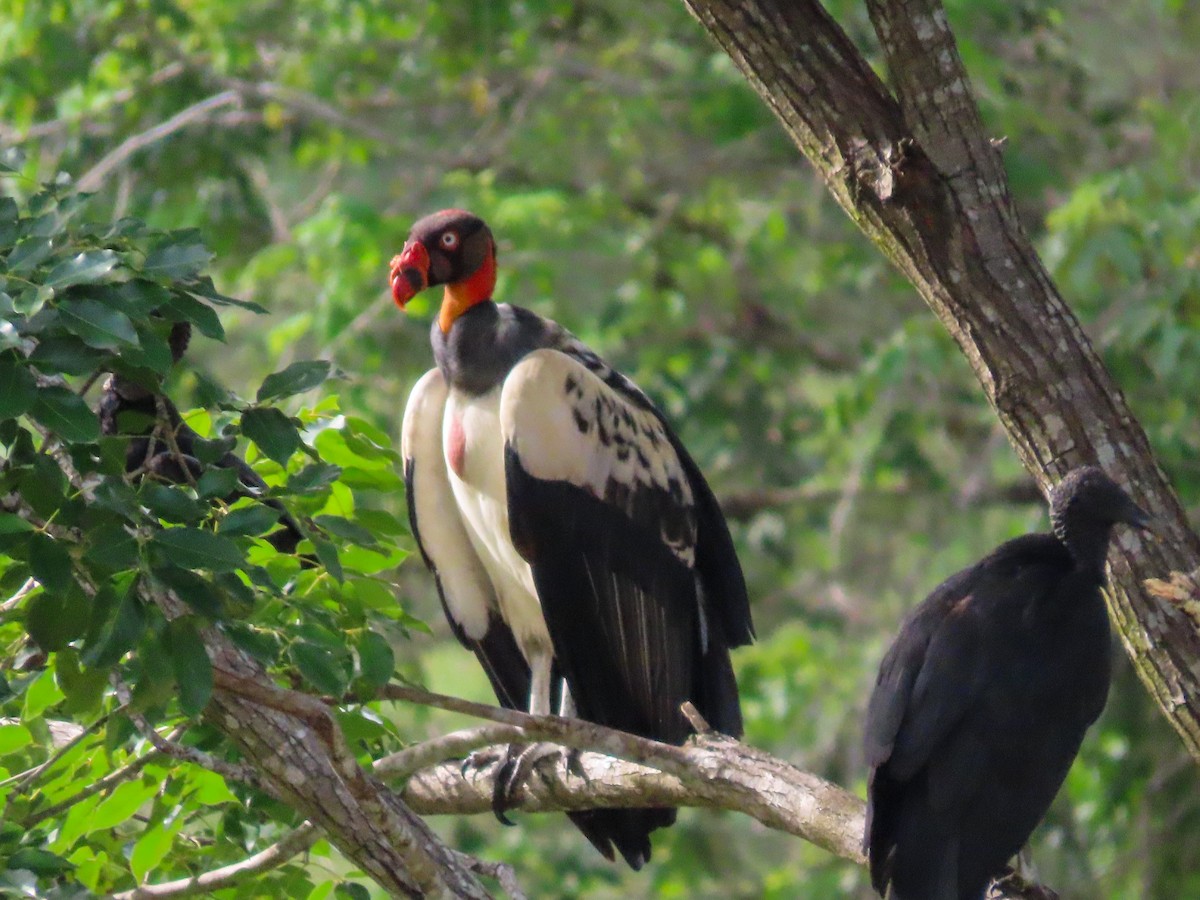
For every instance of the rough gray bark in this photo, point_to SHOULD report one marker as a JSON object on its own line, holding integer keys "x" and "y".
{"x": 918, "y": 173}
{"x": 299, "y": 755}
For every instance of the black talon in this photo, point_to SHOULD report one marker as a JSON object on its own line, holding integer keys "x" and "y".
{"x": 575, "y": 764}
{"x": 506, "y": 783}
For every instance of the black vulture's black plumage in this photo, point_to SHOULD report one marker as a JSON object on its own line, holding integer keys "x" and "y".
{"x": 984, "y": 697}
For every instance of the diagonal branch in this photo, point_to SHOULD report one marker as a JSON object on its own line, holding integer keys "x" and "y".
{"x": 923, "y": 180}
{"x": 191, "y": 115}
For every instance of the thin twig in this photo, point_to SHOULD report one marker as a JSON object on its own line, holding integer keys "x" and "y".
{"x": 172, "y": 748}
{"x": 449, "y": 746}
{"x": 168, "y": 433}
{"x": 22, "y": 592}
{"x": 125, "y": 773}
{"x": 272, "y": 857}
{"x": 501, "y": 872}
{"x": 197, "y": 112}
{"x": 22, "y": 780}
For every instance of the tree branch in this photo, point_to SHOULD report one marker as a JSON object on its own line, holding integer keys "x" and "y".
{"x": 935, "y": 200}
{"x": 228, "y": 876}
{"x": 114, "y": 159}
{"x": 616, "y": 769}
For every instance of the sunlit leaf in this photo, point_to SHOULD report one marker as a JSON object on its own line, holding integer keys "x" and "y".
{"x": 42, "y": 694}
{"x": 13, "y": 737}
{"x": 83, "y": 268}
{"x": 152, "y": 847}
{"x": 121, "y": 804}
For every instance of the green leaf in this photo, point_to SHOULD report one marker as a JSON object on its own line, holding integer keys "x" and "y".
{"x": 152, "y": 847}
{"x": 274, "y": 433}
{"x": 65, "y": 353}
{"x": 29, "y": 254}
{"x": 326, "y": 670}
{"x": 83, "y": 268}
{"x": 201, "y": 593}
{"x": 347, "y": 530}
{"x": 40, "y": 696}
{"x": 376, "y": 659}
{"x": 111, "y": 547}
{"x": 203, "y": 287}
{"x": 13, "y": 738}
{"x": 126, "y": 799}
{"x": 295, "y": 379}
{"x": 184, "y": 256}
{"x": 217, "y": 482}
{"x": 186, "y": 308}
{"x": 189, "y": 660}
{"x": 54, "y": 618}
{"x": 10, "y": 338}
{"x": 152, "y": 352}
{"x": 137, "y": 297}
{"x": 170, "y": 502}
{"x": 84, "y": 687}
{"x": 328, "y": 556}
{"x": 65, "y": 414}
{"x": 97, "y": 324}
{"x": 13, "y": 524}
{"x": 313, "y": 479}
{"x": 254, "y": 518}
{"x": 194, "y": 548}
{"x": 18, "y": 387}
{"x": 373, "y": 594}
{"x": 351, "y": 890}
{"x": 50, "y": 562}
{"x": 155, "y": 684}
{"x": 40, "y": 862}
{"x": 209, "y": 788}
{"x": 119, "y": 634}
{"x": 381, "y": 522}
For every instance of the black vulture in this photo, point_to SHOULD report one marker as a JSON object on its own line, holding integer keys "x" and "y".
{"x": 578, "y": 551}
{"x": 984, "y": 697}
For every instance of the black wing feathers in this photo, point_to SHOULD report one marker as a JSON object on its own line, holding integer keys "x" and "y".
{"x": 620, "y": 606}
{"x": 509, "y": 675}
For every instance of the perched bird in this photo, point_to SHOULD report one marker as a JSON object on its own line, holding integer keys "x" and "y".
{"x": 577, "y": 549}
{"x": 984, "y": 697}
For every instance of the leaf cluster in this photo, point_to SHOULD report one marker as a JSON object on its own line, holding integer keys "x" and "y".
{"x": 260, "y": 519}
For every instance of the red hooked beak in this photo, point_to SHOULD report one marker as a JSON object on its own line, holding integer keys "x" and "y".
{"x": 410, "y": 273}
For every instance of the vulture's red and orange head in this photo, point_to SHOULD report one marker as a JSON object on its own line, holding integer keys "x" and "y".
{"x": 451, "y": 247}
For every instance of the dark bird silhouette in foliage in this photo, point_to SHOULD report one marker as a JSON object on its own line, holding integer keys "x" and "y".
{"x": 984, "y": 697}
{"x": 577, "y": 549}
{"x": 130, "y": 409}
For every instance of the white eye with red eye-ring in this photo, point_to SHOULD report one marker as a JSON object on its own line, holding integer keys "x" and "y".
{"x": 450, "y": 240}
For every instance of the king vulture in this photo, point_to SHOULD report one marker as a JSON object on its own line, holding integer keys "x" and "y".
{"x": 577, "y": 549}
{"x": 982, "y": 701}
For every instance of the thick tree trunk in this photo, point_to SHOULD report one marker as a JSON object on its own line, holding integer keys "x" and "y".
{"x": 917, "y": 172}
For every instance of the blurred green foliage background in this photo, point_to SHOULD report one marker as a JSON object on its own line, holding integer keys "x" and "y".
{"x": 645, "y": 198}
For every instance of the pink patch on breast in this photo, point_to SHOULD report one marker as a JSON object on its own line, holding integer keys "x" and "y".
{"x": 456, "y": 446}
